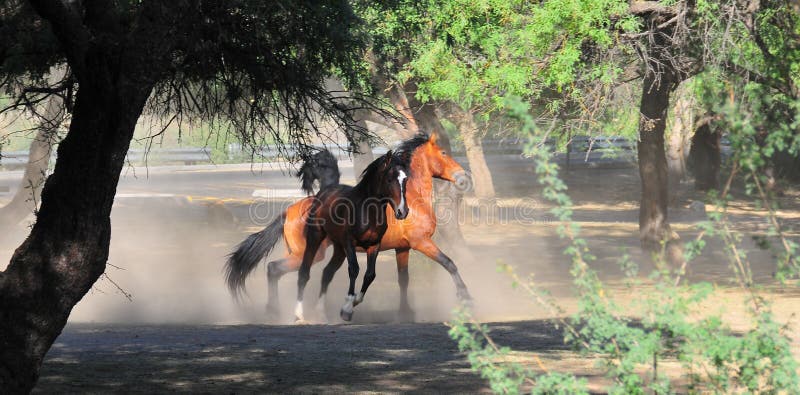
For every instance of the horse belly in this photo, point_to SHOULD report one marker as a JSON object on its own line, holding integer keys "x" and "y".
{"x": 294, "y": 227}
{"x": 394, "y": 237}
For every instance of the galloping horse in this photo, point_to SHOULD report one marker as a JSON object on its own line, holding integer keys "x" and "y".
{"x": 351, "y": 217}
{"x": 428, "y": 161}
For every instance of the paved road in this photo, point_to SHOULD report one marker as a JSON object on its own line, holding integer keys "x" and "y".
{"x": 220, "y": 181}
{"x": 240, "y": 181}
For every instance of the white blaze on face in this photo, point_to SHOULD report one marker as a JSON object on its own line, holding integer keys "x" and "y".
{"x": 400, "y": 177}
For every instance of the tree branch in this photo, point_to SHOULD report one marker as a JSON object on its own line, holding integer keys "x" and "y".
{"x": 753, "y": 76}
{"x": 649, "y": 6}
{"x": 68, "y": 29}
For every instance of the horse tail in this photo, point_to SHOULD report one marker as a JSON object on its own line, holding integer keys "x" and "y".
{"x": 250, "y": 252}
{"x": 323, "y": 167}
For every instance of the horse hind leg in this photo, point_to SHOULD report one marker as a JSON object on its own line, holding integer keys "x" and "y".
{"x": 314, "y": 238}
{"x": 327, "y": 276}
{"x": 405, "y": 313}
{"x": 275, "y": 270}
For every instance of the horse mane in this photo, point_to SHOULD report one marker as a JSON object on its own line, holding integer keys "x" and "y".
{"x": 372, "y": 169}
{"x": 309, "y": 171}
{"x": 407, "y": 147}
{"x": 397, "y": 158}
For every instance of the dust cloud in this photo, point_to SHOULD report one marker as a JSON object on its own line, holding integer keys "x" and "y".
{"x": 168, "y": 255}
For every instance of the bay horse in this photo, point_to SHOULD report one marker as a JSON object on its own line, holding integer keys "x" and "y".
{"x": 350, "y": 217}
{"x": 428, "y": 161}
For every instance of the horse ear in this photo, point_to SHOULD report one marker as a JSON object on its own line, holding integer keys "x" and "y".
{"x": 434, "y": 138}
{"x": 387, "y": 159}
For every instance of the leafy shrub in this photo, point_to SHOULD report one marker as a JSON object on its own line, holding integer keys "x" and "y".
{"x": 670, "y": 324}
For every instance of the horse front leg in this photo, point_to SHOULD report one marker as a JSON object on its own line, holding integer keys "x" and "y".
{"x": 352, "y": 269}
{"x": 405, "y": 312}
{"x": 429, "y": 248}
{"x": 369, "y": 276}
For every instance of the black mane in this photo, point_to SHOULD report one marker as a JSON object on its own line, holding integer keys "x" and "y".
{"x": 370, "y": 172}
{"x": 407, "y": 147}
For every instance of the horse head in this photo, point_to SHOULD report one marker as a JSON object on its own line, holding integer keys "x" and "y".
{"x": 443, "y": 166}
{"x": 395, "y": 172}
{"x": 323, "y": 167}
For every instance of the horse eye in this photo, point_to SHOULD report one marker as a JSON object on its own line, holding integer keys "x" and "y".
{"x": 444, "y": 153}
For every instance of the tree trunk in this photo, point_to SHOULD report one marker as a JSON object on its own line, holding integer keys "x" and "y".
{"x": 705, "y": 158}
{"x": 653, "y": 224}
{"x": 481, "y": 176}
{"x": 27, "y": 196}
{"x": 67, "y": 249}
{"x": 364, "y": 157}
{"x": 678, "y": 143}
{"x": 448, "y": 198}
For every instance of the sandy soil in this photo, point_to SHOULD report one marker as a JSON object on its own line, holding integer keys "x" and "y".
{"x": 168, "y": 338}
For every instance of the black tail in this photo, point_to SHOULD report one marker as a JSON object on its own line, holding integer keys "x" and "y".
{"x": 323, "y": 167}
{"x": 250, "y": 252}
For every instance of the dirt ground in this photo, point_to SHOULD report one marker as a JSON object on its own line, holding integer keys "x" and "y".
{"x": 182, "y": 332}
{"x": 367, "y": 358}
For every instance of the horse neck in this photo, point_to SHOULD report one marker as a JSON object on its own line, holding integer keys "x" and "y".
{"x": 420, "y": 183}
{"x": 365, "y": 189}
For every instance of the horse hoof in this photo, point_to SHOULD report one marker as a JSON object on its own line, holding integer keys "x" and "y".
{"x": 405, "y": 315}
{"x": 300, "y": 321}
{"x": 273, "y": 314}
{"x": 346, "y": 315}
{"x": 359, "y": 298}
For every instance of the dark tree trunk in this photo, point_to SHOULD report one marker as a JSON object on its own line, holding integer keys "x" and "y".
{"x": 705, "y": 158}
{"x": 653, "y": 224}
{"x": 67, "y": 249}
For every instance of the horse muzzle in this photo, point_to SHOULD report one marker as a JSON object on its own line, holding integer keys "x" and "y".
{"x": 401, "y": 212}
{"x": 463, "y": 181}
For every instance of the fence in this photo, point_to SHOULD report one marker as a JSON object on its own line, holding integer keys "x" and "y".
{"x": 15, "y": 160}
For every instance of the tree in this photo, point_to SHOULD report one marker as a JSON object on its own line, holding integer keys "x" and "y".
{"x": 678, "y": 141}
{"x": 28, "y": 194}
{"x": 254, "y": 67}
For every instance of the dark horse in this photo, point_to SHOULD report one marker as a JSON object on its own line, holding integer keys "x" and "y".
{"x": 355, "y": 217}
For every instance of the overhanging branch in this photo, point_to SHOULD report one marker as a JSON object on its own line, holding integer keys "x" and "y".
{"x": 68, "y": 29}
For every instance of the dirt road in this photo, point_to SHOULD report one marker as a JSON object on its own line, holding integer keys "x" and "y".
{"x": 377, "y": 358}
